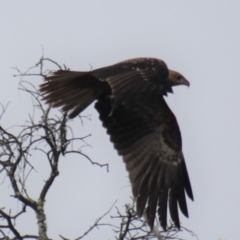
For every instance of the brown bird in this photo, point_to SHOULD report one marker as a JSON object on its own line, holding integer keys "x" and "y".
{"x": 143, "y": 129}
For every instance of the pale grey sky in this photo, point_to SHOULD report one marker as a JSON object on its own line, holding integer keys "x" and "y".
{"x": 200, "y": 39}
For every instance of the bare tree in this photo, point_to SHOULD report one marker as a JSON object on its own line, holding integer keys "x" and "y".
{"x": 47, "y": 132}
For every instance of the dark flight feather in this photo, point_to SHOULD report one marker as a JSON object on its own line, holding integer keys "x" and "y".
{"x": 142, "y": 128}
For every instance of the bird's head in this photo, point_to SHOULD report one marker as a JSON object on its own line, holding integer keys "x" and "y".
{"x": 176, "y": 78}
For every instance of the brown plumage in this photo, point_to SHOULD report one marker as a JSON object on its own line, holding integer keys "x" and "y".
{"x": 144, "y": 131}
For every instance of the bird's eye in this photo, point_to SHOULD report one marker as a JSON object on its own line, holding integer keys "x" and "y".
{"x": 179, "y": 78}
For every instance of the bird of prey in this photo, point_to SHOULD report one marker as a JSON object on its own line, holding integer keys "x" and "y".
{"x": 143, "y": 129}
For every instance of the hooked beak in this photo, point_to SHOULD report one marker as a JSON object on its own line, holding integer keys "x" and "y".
{"x": 186, "y": 82}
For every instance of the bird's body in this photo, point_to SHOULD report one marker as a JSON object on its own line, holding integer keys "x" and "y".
{"x": 141, "y": 126}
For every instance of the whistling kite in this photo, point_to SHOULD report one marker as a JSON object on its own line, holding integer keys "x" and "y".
{"x": 129, "y": 100}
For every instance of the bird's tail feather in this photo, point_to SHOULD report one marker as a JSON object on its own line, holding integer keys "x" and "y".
{"x": 73, "y": 91}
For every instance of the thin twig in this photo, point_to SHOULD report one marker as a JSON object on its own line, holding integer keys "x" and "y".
{"x": 96, "y": 224}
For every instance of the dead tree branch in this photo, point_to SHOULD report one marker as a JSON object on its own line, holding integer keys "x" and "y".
{"x": 44, "y": 133}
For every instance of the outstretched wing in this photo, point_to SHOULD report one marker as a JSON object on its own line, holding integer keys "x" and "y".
{"x": 135, "y": 81}
{"x": 149, "y": 139}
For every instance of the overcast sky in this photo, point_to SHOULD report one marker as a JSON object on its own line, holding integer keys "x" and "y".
{"x": 200, "y": 39}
